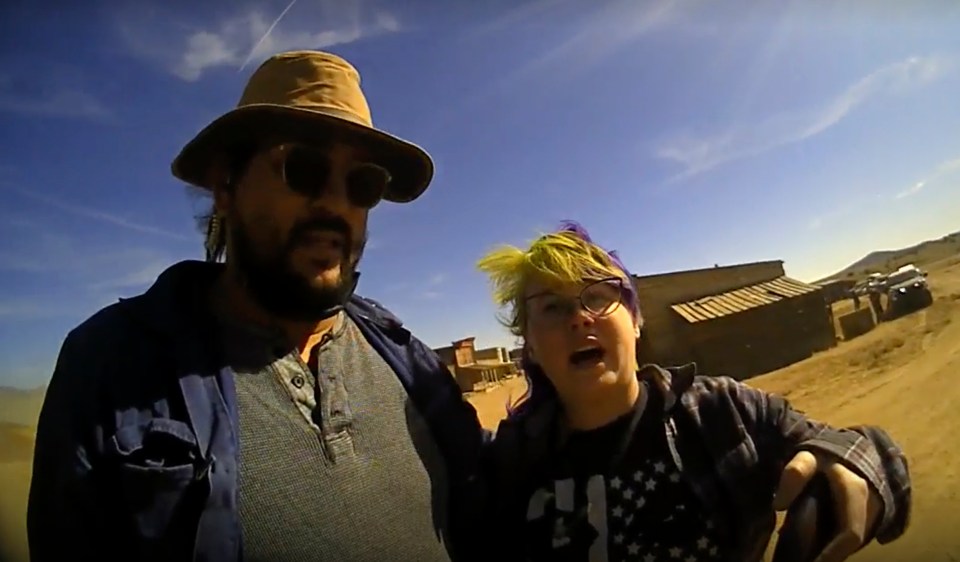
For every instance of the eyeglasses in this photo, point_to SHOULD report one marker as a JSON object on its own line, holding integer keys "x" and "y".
{"x": 306, "y": 171}
{"x": 598, "y": 298}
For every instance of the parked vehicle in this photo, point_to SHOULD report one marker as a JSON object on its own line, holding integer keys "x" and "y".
{"x": 907, "y": 290}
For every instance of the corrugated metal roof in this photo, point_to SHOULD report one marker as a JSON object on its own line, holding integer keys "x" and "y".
{"x": 742, "y": 299}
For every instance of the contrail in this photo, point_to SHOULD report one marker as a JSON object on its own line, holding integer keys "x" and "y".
{"x": 265, "y": 35}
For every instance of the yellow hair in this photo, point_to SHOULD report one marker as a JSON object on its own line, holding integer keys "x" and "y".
{"x": 555, "y": 259}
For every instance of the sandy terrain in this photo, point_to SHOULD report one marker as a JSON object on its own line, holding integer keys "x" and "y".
{"x": 903, "y": 376}
{"x": 16, "y": 451}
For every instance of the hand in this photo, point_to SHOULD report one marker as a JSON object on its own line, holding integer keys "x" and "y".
{"x": 857, "y": 504}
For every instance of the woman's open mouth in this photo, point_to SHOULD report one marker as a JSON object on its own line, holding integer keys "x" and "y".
{"x": 587, "y": 356}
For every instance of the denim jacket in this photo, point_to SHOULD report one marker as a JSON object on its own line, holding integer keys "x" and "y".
{"x": 136, "y": 449}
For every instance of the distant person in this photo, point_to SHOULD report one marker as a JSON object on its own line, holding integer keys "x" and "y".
{"x": 875, "y": 305}
{"x": 258, "y": 409}
{"x": 606, "y": 460}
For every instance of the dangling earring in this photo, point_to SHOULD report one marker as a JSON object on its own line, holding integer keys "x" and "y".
{"x": 213, "y": 245}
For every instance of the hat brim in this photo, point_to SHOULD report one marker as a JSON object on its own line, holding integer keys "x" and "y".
{"x": 411, "y": 168}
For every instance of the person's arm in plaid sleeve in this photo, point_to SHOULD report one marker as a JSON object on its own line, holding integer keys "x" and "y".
{"x": 848, "y": 456}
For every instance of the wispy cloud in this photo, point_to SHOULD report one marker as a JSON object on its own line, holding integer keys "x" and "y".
{"x": 51, "y": 100}
{"x": 394, "y": 289}
{"x": 65, "y": 103}
{"x": 92, "y": 213}
{"x": 19, "y": 222}
{"x": 138, "y": 277}
{"x": 245, "y": 38}
{"x": 912, "y": 190}
{"x": 832, "y": 216}
{"x": 42, "y": 250}
{"x": 79, "y": 275}
{"x": 942, "y": 171}
{"x": 614, "y": 26}
{"x": 14, "y": 309}
{"x": 817, "y": 223}
{"x": 266, "y": 34}
{"x": 432, "y": 290}
{"x": 696, "y": 154}
{"x": 520, "y": 15}
{"x": 608, "y": 27}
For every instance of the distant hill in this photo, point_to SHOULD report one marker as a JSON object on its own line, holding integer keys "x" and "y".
{"x": 884, "y": 261}
{"x": 19, "y": 406}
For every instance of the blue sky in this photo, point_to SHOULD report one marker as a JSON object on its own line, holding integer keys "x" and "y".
{"x": 683, "y": 133}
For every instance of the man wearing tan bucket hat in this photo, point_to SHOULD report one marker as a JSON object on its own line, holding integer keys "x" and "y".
{"x": 258, "y": 409}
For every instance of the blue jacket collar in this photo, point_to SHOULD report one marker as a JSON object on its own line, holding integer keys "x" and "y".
{"x": 176, "y": 304}
{"x": 178, "y": 298}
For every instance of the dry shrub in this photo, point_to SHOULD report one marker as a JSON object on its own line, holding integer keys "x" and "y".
{"x": 941, "y": 314}
{"x": 877, "y": 355}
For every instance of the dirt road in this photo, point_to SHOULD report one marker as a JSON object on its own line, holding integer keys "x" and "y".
{"x": 903, "y": 376}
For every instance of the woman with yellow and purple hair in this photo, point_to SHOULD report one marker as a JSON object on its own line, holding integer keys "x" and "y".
{"x": 605, "y": 460}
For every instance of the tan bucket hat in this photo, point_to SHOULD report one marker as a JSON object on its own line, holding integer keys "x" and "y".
{"x": 305, "y": 96}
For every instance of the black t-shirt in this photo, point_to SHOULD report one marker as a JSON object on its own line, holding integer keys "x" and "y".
{"x": 614, "y": 494}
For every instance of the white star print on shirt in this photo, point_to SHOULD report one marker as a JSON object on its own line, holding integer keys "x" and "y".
{"x": 640, "y": 493}
{"x": 619, "y": 511}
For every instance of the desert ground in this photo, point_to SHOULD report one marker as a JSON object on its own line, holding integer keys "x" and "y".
{"x": 903, "y": 376}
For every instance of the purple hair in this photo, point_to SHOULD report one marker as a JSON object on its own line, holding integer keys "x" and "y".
{"x": 629, "y": 290}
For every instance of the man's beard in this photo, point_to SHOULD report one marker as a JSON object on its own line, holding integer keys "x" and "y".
{"x": 278, "y": 288}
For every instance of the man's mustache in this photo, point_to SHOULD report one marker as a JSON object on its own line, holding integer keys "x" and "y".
{"x": 301, "y": 232}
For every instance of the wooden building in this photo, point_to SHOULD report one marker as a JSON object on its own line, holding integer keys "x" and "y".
{"x": 476, "y": 369}
{"x": 740, "y": 320}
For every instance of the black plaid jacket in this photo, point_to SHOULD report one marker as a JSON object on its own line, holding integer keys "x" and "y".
{"x": 732, "y": 443}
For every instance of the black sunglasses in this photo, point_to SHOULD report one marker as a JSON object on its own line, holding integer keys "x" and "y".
{"x": 306, "y": 171}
